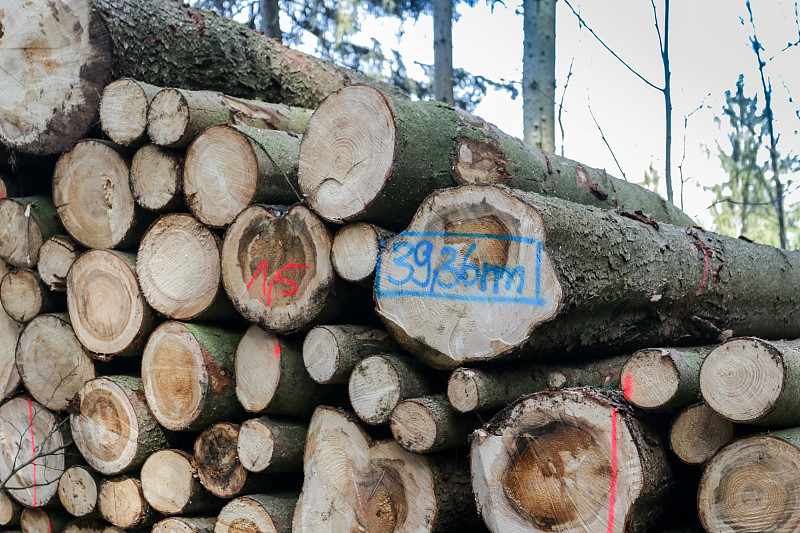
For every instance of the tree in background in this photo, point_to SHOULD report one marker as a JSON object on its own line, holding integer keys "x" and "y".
{"x": 539, "y": 73}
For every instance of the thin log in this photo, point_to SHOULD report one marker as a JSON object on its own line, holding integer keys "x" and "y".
{"x": 55, "y": 257}
{"x": 518, "y": 272}
{"x": 355, "y": 251}
{"x": 153, "y": 41}
{"x": 179, "y": 270}
{"x": 52, "y": 362}
{"x": 92, "y": 193}
{"x": 752, "y": 484}
{"x": 178, "y": 116}
{"x": 258, "y": 513}
{"x": 85, "y": 525}
{"x": 171, "y": 486}
{"x": 380, "y": 382}
{"x": 485, "y": 389}
{"x": 44, "y": 521}
{"x": 270, "y": 444}
{"x": 10, "y": 330}
{"x": 24, "y": 295}
{"x": 228, "y": 168}
{"x": 663, "y": 378}
{"x": 123, "y": 111}
{"x": 752, "y": 381}
{"x": 157, "y": 178}
{"x": 363, "y": 154}
{"x": 10, "y": 510}
{"x": 78, "y": 490}
{"x": 330, "y": 353}
{"x": 112, "y": 426}
{"x": 122, "y": 503}
{"x": 270, "y": 371}
{"x": 185, "y": 525}
{"x": 106, "y": 307}
{"x": 187, "y": 373}
{"x": 571, "y": 460}
{"x": 430, "y": 424}
{"x": 34, "y": 443}
{"x": 25, "y": 223}
{"x": 352, "y": 482}
{"x": 698, "y": 432}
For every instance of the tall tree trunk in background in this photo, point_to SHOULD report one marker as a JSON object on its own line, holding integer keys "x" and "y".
{"x": 270, "y": 19}
{"x": 443, "y": 51}
{"x": 539, "y": 73}
{"x": 667, "y": 103}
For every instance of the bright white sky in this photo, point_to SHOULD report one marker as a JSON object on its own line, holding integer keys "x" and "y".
{"x": 709, "y": 48}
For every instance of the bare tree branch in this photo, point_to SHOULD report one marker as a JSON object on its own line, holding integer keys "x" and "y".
{"x": 561, "y": 104}
{"x": 602, "y": 135}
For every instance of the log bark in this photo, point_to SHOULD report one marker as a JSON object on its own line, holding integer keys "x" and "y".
{"x": 185, "y": 525}
{"x": 485, "y": 389}
{"x": 352, "y": 482}
{"x": 106, "y": 308}
{"x": 122, "y": 503}
{"x": 268, "y": 444}
{"x": 112, "y": 425}
{"x": 55, "y": 257}
{"x": 570, "y": 460}
{"x": 430, "y": 424}
{"x": 34, "y": 443}
{"x": 157, "y": 178}
{"x": 43, "y": 521}
{"x": 10, "y": 510}
{"x": 51, "y": 361}
{"x": 188, "y": 375}
{"x": 363, "y": 154}
{"x": 355, "y": 251}
{"x": 178, "y": 116}
{"x": 380, "y": 382}
{"x": 258, "y": 513}
{"x": 276, "y": 270}
{"x": 577, "y": 280}
{"x": 92, "y": 193}
{"x": 330, "y": 353}
{"x": 25, "y": 223}
{"x": 752, "y": 381}
{"x": 270, "y": 371}
{"x": 78, "y": 490}
{"x": 752, "y": 485}
{"x": 170, "y": 485}
{"x": 663, "y": 378}
{"x": 24, "y": 295}
{"x": 218, "y": 466}
{"x": 153, "y": 41}
{"x": 123, "y": 111}
{"x": 179, "y": 270}
{"x": 228, "y": 168}
{"x": 698, "y": 432}
{"x": 10, "y": 330}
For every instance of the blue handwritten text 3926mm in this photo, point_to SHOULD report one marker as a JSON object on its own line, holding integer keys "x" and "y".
{"x": 424, "y": 267}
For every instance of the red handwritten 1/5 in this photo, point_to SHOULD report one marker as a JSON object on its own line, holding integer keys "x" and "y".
{"x": 267, "y": 291}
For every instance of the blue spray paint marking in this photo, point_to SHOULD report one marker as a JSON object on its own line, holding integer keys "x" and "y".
{"x": 425, "y": 272}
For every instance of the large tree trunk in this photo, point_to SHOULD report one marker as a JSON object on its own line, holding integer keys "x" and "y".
{"x": 443, "y": 51}
{"x": 351, "y": 483}
{"x": 752, "y": 485}
{"x": 154, "y": 41}
{"x": 576, "y": 279}
{"x": 258, "y": 513}
{"x": 187, "y": 374}
{"x": 170, "y": 485}
{"x": 751, "y": 381}
{"x": 539, "y": 73}
{"x": 570, "y": 460}
{"x": 367, "y": 156}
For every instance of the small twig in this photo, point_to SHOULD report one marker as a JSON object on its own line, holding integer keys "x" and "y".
{"x": 561, "y": 104}
{"x": 602, "y": 136}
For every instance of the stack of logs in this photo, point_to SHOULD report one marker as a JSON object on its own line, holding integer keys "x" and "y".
{"x": 226, "y": 315}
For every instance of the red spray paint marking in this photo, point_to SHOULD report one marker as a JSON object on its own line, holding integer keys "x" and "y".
{"x": 267, "y": 292}
{"x": 705, "y": 274}
{"x": 277, "y": 350}
{"x": 627, "y": 386}
{"x": 33, "y": 452}
{"x": 613, "y": 496}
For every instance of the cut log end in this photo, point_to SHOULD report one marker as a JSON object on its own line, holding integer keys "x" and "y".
{"x": 22, "y": 237}
{"x": 697, "y": 433}
{"x": 355, "y": 250}
{"x": 123, "y": 112}
{"x": 485, "y": 252}
{"x": 22, "y": 294}
{"x": 178, "y": 267}
{"x": 168, "y": 117}
{"x": 257, "y": 513}
{"x": 650, "y": 378}
{"x": 321, "y": 354}
{"x": 10, "y": 510}
{"x": 156, "y": 177}
{"x": 743, "y": 378}
{"x": 10, "y": 330}
{"x": 169, "y": 481}
{"x": 258, "y": 369}
{"x": 121, "y": 503}
{"x": 256, "y": 445}
{"x": 215, "y": 457}
{"x": 750, "y": 486}
{"x": 185, "y": 525}
{"x": 374, "y": 389}
{"x": 414, "y": 426}
{"x": 354, "y": 127}
{"x": 463, "y": 390}
{"x": 55, "y": 257}
{"x": 77, "y": 490}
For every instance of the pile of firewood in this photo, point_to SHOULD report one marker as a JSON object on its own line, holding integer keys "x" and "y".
{"x": 221, "y": 314}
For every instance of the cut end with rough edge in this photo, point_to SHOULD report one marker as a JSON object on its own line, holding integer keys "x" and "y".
{"x": 123, "y": 111}
{"x": 347, "y": 152}
{"x": 258, "y": 369}
{"x": 321, "y": 354}
{"x": 650, "y": 378}
{"x": 463, "y": 390}
{"x": 168, "y": 117}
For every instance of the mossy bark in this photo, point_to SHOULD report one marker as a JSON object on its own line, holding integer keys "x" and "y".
{"x": 330, "y": 353}
{"x": 430, "y": 424}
